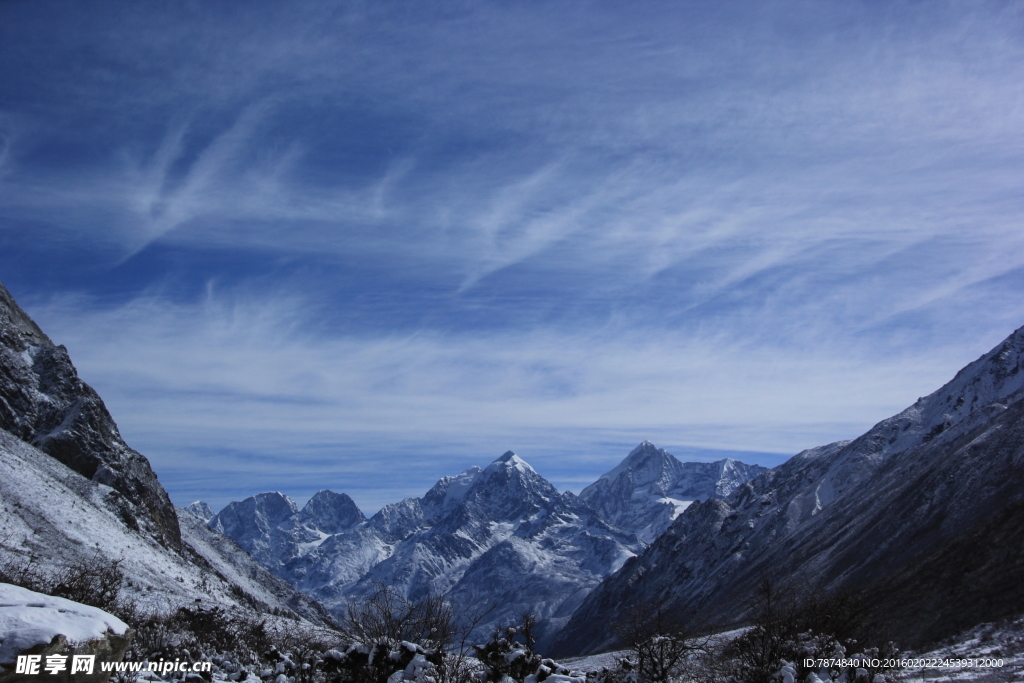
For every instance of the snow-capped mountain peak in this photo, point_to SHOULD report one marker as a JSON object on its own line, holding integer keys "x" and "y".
{"x": 271, "y": 528}
{"x": 509, "y": 488}
{"x": 330, "y": 512}
{"x": 650, "y": 487}
{"x": 646, "y": 458}
{"x": 450, "y": 491}
{"x": 201, "y": 509}
{"x": 510, "y": 461}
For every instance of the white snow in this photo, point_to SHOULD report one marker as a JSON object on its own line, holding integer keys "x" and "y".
{"x": 677, "y": 505}
{"x": 999, "y": 646}
{"x": 459, "y": 485}
{"x": 28, "y": 619}
{"x": 509, "y": 461}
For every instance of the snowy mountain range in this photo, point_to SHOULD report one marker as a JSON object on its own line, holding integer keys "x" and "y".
{"x": 502, "y": 535}
{"x": 922, "y": 516}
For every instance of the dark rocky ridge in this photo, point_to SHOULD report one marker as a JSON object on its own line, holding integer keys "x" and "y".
{"x": 43, "y": 402}
{"x": 920, "y": 515}
{"x": 971, "y": 552}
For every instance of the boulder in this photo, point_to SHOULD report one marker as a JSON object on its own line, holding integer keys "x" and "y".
{"x": 38, "y": 625}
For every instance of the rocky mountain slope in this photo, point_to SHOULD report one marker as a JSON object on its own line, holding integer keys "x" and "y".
{"x": 55, "y": 518}
{"x": 649, "y": 489}
{"x": 73, "y": 494}
{"x": 922, "y": 514}
{"x": 44, "y": 403}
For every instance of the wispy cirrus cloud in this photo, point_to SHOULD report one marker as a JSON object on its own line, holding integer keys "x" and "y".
{"x": 240, "y": 373}
{"x": 833, "y": 119}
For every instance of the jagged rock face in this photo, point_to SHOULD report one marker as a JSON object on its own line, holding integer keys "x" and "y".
{"x": 270, "y": 527}
{"x": 72, "y": 494}
{"x": 43, "y": 402}
{"x": 331, "y": 512}
{"x": 650, "y": 488}
{"x": 884, "y": 513}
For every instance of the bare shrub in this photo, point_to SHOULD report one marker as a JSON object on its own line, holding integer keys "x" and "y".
{"x": 663, "y": 648}
{"x": 388, "y": 617}
{"x": 509, "y": 652}
{"x": 388, "y": 633}
{"x": 302, "y": 653}
{"x": 94, "y": 581}
{"x": 791, "y": 626}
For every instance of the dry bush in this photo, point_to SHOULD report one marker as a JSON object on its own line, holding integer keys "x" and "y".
{"x": 94, "y": 581}
{"x": 387, "y": 632}
{"x": 790, "y": 626}
{"x": 663, "y": 648}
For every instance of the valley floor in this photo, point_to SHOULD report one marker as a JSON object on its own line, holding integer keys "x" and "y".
{"x": 984, "y": 642}
{"x": 1000, "y": 642}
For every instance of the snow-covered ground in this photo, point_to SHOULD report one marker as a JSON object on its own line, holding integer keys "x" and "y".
{"x": 1003, "y": 643}
{"x": 54, "y": 518}
{"x": 28, "y": 619}
{"x": 999, "y": 647}
{"x": 605, "y": 660}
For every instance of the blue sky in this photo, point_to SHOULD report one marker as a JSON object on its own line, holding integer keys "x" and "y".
{"x": 360, "y": 245}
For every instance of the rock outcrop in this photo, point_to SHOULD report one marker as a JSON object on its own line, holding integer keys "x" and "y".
{"x": 36, "y": 624}
{"x": 74, "y": 496}
{"x": 43, "y": 402}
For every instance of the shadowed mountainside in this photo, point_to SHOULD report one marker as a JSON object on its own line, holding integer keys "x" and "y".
{"x": 918, "y": 515}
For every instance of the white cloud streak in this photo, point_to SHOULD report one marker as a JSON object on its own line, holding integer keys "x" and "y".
{"x": 239, "y": 374}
